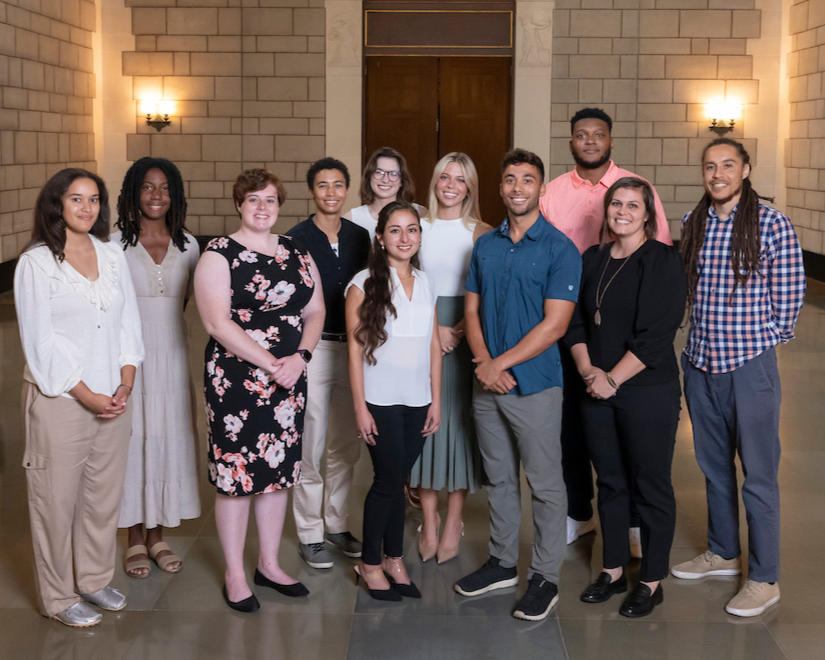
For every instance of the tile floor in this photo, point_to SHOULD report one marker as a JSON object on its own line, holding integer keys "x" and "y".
{"x": 183, "y": 616}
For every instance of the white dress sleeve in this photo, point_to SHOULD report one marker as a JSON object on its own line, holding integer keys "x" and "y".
{"x": 51, "y": 357}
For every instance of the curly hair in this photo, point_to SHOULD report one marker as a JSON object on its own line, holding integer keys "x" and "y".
{"x": 745, "y": 246}
{"x": 326, "y": 164}
{"x": 377, "y": 305}
{"x": 406, "y": 192}
{"x": 591, "y": 113}
{"x": 128, "y": 202}
{"x": 254, "y": 180}
{"x": 523, "y": 157}
{"x": 50, "y": 227}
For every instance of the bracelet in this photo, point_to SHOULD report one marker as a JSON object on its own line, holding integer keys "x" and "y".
{"x": 610, "y": 381}
{"x": 123, "y": 385}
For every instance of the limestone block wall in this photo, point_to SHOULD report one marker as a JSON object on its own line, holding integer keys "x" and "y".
{"x": 47, "y": 86}
{"x": 248, "y": 82}
{"x": 653, "y": 65}
{"x": 805, "y": 147}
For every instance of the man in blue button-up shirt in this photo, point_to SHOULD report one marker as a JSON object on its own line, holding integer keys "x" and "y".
{"x": 521, "y": 290}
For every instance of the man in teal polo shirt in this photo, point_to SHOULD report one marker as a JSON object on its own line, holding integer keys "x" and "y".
{"x": 522, "y": 288}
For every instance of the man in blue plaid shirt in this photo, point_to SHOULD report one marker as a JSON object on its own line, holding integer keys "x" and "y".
{"x": 746, "y": 283}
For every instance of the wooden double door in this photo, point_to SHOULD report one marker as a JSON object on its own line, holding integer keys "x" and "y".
{"x": 426, "y": 107}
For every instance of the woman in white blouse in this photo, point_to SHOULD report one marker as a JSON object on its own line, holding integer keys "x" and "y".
{"x": 395, "y": 372}
{"x": 80, "y": 330}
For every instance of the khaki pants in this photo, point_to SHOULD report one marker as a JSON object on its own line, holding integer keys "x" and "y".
{"x": 330, "y": 437}
{"x": 75, "y": 466}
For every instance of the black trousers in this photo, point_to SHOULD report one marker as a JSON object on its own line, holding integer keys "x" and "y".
{"x": 630, "y": 438}
{"x": 575, "y": 462}
{"x": 396, "y": 449}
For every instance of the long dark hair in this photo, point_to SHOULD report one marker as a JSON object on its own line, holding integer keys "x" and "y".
{"x": 128, "y": 203}
{"x": 406, "y": 193}
{"x": 651, "y": 227}
{"x": 745, "y": 245}
{"x": 372, "y": 315}
{"x": 50, "y": 227}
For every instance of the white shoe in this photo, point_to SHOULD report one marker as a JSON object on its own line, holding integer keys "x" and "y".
{"x": 753, "y": 599}
{"x": 576, "y": 528}
{"x": 635, "y": 543}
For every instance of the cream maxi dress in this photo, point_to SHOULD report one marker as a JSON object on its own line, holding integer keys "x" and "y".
{"x": 161, "y": 477}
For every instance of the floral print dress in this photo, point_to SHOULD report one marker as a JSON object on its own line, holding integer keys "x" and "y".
{"x": 255, "y": 426}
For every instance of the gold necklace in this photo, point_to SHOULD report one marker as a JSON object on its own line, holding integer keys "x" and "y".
{"x": 597, "y": 317}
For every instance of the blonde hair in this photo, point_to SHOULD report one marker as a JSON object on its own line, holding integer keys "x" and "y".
{"x": 470, "y": 211}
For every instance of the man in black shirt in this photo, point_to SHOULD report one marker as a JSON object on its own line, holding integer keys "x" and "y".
{"x": 340, "y": 249}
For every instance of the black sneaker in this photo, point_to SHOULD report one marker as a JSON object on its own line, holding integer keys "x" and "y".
{"x": 538, "y": 600}
{"x": 490, "y": 576}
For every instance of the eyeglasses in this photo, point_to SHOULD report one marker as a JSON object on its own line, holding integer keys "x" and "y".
{"x": 393, "y": 175}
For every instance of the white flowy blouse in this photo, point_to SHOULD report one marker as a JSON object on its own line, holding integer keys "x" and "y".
{"x": 74, "y": 329}
{"x": 401, "y": 374}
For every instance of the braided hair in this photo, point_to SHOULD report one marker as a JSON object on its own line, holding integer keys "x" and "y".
{"x": 128, "y": 202}
{"x": 377, "y": 304}
{"x": 745, "y": 246}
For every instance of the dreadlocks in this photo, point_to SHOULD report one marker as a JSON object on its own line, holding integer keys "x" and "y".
{"x": 745, "y": 245}
{"x": 128, "y": 203}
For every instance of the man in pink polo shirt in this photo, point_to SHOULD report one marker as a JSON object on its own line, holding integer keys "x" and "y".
{"x": 573, "y": 203}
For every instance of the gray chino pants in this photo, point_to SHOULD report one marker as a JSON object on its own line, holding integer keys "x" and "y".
{"x": 526, "y": 429}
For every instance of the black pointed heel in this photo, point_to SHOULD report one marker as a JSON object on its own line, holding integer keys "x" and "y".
{"x": 246, "y": 605}
{"x": 406, "y": 590}
{"x": 296, "y": 590}
{"x": 378, "y": 594}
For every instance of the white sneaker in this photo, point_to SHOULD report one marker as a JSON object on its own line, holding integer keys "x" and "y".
{"x": 753, "y": 598}
{"x": 576, "y": 528}
{"x": 635, "y": 542}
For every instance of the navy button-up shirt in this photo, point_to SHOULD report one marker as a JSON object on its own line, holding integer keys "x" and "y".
{"x": 513, "y": 281}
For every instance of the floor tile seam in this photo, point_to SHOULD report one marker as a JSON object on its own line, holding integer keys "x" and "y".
{"x": 773, "y": 637}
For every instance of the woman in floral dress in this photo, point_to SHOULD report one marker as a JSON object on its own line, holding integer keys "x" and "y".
{"x": 258, "y": 300}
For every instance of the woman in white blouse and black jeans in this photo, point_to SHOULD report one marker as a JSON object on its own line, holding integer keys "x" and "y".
{"x": 395, "y": 371}
{"x": 80, "y": 330}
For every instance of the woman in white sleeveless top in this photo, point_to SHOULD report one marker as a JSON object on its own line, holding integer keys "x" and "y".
{"x": 386, "y": 179}
{"x": 450, "y": 457}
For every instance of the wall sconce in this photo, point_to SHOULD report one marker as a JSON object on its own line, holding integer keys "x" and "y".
{"x": 157, "y": 113}
{"x": 720, "y": 112}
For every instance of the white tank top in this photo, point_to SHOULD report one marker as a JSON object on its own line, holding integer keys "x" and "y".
{"x": 446, "y": 249}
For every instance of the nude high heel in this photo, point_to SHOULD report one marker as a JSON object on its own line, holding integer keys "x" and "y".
{"x": 445, "y": 553}
{"x": 427, "y": 552}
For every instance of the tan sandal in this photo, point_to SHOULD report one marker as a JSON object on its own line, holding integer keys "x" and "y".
{"x": 163, "y": 562}
{"x": 130, "y": 564}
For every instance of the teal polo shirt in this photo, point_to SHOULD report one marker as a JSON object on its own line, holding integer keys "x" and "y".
{"x": 513, "y": 280}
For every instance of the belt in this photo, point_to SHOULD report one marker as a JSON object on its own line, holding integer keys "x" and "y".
{"x": 326, "y": 336}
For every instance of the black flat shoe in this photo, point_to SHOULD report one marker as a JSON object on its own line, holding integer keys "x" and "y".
{"x": 602, "y": 589}
{"x": 378, "y": 594}
{"x": 246, "y": 605}
{"x": 296, "y": 590}
{"x": 406, "y": 590}
{"x": 640, "y": 602}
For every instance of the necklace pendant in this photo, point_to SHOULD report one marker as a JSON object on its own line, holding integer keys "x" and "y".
{"x": 597, "y": 318}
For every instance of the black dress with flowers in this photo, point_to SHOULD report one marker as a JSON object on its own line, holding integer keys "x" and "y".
{"x": 255, "y": 426}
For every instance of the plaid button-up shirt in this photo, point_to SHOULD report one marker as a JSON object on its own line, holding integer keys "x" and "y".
{"x": 722, "y": 336}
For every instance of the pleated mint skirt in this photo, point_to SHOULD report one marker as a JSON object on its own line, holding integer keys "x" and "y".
{"x": 450, "y": 457}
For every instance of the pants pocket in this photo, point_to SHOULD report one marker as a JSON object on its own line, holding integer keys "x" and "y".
{"x": 37, "y": 475}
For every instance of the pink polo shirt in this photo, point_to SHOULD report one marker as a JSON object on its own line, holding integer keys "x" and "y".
{"x": 576, "y": 207}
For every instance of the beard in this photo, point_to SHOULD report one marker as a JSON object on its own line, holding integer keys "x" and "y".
{"x": 591, "y": 164}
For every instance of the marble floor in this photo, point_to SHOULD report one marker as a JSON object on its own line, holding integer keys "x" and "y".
{"x": 183, "y": 617}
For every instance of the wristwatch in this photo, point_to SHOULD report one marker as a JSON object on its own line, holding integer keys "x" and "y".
{"x": 306, "y": 355}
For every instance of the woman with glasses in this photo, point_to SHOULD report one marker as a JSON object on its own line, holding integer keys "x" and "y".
{"x": 450, "y": 457}
{"x": 386, "y": 179}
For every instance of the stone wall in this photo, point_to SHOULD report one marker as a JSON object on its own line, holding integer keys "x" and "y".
{"x": 805, "y": 147}
{"x": 248, "y": 83}
{"x": 47, "y": 86}
{"x": 653, "y": 65}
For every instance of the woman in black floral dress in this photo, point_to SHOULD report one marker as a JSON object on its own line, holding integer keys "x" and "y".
{"x": 258, "y": 299}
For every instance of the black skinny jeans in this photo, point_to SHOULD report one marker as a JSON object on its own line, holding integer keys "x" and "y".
{"x": 397, "y": 447}
{"x": 630, "y": 438}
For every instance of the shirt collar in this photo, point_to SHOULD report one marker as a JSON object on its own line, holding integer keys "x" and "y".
{"x": 605, "y": 181}
{"x": 715, "y": 216}
{"x": 533, "y": 233}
